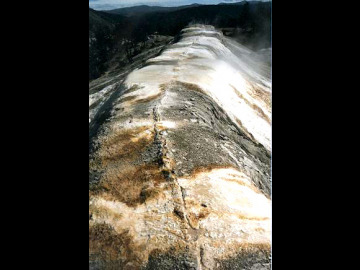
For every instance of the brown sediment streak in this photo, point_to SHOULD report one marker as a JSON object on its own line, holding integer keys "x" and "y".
{"x": 199, "y": 170}
{"x": 127, "y": 144}
{"x": 135, "y": 99}
{"x": 259, "y": 94}
{"x": 240, "y": 216}
{"x": 132, "y": 89}
{"x": 193, "y": 56}
{"x": 243, "y": 183}
{"x": 121, "y": 179}
{"x": 191, "y": 86}
{"x": 128, "y": 98}
{"x": 147, "y": 99}
{"x": 256, "y": 108}
{"x": 129, "y": 184}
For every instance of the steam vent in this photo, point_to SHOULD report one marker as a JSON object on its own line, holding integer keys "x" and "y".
{"x": 180, "y": 150}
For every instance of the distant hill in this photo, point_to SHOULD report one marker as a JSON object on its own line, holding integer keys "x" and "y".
{"x": 97, "y": 22}
{"x": 240, "y": 3}
{"x": 236, "y": 3}
{"x": 143, "y": 9}
{"x": 102, "y": 27}
{"x": 253, "y": 18}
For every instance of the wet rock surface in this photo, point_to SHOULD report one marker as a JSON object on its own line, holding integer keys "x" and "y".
{"x": 179, "y": 178}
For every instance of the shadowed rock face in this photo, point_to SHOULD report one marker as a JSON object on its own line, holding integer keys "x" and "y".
{"x": 180, "y": 161}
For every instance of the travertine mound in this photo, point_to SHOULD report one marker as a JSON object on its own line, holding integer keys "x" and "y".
{"x": 180, "y": 161}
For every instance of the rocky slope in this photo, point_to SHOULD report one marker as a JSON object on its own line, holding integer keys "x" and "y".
{"x": 180, "y": 159}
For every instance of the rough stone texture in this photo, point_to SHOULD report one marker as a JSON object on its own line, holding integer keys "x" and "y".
{"x": 179, "y": 171}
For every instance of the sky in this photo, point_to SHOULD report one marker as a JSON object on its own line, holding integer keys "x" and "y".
{"x": 112, "y": 4}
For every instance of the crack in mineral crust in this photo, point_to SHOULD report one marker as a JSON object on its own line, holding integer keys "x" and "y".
{"x": 169, "y": 170}
{"x": 178, "y": 192}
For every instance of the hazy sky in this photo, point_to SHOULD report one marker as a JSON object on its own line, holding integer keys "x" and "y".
{"x": 111, "y": 4}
